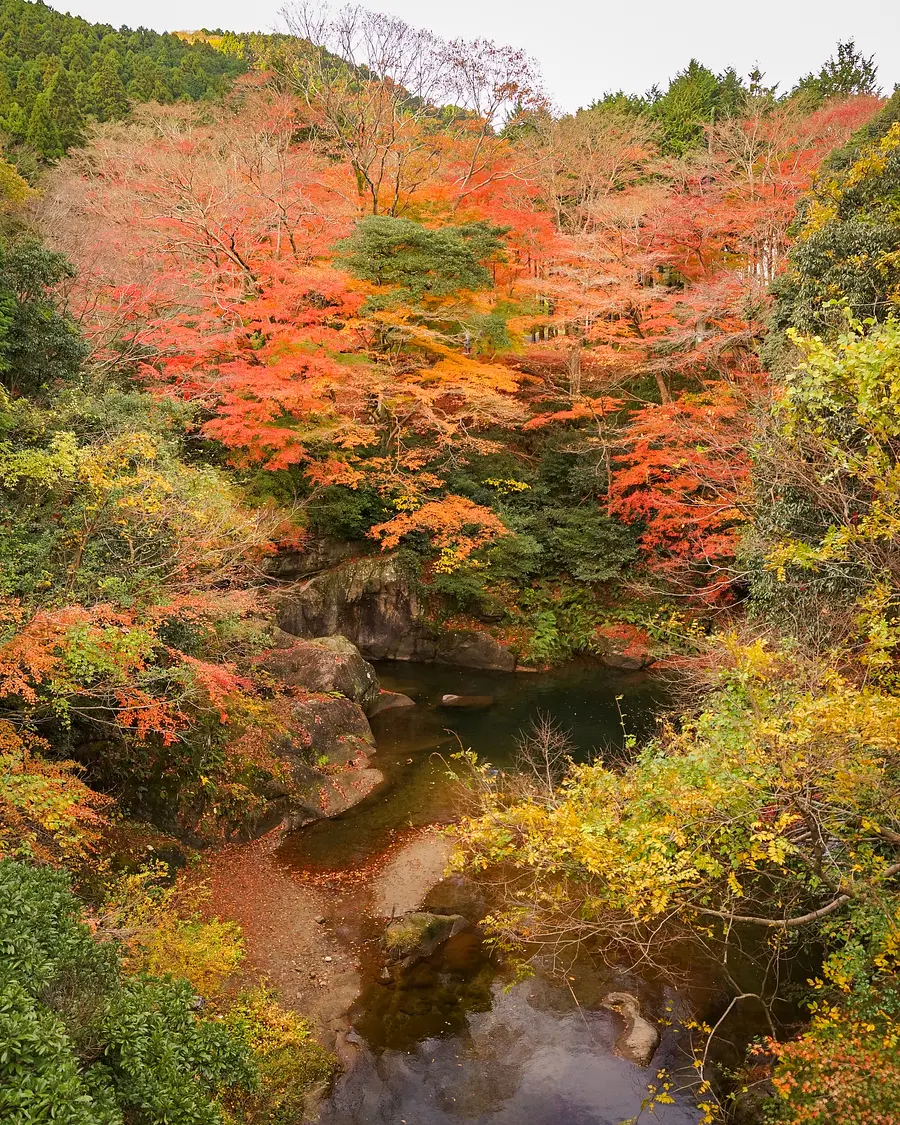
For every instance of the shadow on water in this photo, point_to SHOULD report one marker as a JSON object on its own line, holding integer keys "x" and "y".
{"x": 451, "y": 1038}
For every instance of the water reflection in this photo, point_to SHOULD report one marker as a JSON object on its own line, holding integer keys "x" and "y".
{"x": 447, "y": 1040}
{"x": 522, "y": 1058}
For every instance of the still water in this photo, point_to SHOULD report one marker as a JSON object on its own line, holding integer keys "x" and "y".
{"x": 455, "y": 1039}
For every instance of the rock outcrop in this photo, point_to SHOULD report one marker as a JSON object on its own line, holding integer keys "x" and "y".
{"x": 377, "y": 604}
{"x": 324, "y": 664}
{"x": 313, "y": 557}
{"x": 373, "y": 602}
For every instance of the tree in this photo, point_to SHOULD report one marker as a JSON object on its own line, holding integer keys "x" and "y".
{"x": 417, "y": 262}
{"x": 846, "y": 73}
{"x": 67, "y": 117}
{"x": 38, "y": 344}
{"x": 693, "y": 98}
{"x": 42, "y": 134}
{"x": 106, "y": 96}
{"x": 408, "y": 112}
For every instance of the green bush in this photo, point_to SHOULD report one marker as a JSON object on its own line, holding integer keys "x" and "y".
{"x": 83, "y": 1044}
{"x": 346, "y": 513}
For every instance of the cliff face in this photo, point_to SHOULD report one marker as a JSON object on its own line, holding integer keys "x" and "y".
{"x": 376, "y": 604}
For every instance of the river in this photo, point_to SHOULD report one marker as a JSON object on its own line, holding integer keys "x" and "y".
{"x": 456, "y": 1038}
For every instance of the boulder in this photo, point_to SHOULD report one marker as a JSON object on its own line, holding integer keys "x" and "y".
{"x": 327, "y": 748}
{"x": 417, "y": 935}
{"x": 639, "y": 1040}
{"x": 324, "y": 664}
{"x": 623, "y": 662}
{"x": 472, "y": 648}
{"x": 626, "y": 648}
{"x": 390, "y": 701}
{"x": 329, "y": 727}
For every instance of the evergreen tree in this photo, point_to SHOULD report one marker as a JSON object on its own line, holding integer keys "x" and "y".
{"x": 107, "y": 98}
{"x": 686, "y": 106}
{"x": 42, "y": 134}
{"x": 67, "y": 117}
{"x": 847, "y": 72}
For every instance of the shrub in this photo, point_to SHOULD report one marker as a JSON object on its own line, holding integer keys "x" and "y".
{"x": 83, "y": 1044}
{"x": 290, "y": 1062}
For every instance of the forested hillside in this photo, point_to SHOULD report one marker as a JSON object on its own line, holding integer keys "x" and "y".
{"x": 59, "y": 72}
{"x": 620, "y": 384}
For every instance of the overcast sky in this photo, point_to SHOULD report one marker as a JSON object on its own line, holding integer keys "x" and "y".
{"x": 585, "y": 48}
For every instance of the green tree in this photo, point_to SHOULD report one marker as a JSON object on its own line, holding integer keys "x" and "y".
{"x": 67, "y": 117}
{"x": 419, "y": 261}
{"x": 38, "y": 345}
{"x": 106, "y": 96}
{"x": 845, "y": 73}
{"x": 694, "y": 97}
{"x": 42, "y": 134}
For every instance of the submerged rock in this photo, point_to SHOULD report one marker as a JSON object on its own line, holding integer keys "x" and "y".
{"x": 404, "y": 882}
{"x": 390, "y": 701}
{"x": 640, "y": 1038}
{"x": 419, "y": 934}
{"x": 324, "y": 664}
{"x": 476, "y": 702}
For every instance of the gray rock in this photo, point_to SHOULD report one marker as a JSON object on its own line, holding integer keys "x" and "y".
{"x": 378, "y": 605}
{"x": 373, "y": 601}
{"x": 414, "y": 936}
{"x": 324, "y": 664}
{"x": 316, "y": 555}
{"x": 639, "y": 1040}
{"x": 474, "y": 649}
{"x": 623, "y": 662}
{"x": 327, "y": 748}
{"x": 329, "y": 727}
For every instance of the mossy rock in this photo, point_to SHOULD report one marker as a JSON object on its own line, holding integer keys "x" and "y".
{"x": 419, "y": 934}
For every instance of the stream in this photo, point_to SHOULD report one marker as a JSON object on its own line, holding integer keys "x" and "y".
{"x": 456, "y": 1038}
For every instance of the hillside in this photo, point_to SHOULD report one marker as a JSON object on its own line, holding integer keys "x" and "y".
{"x": 342, "y": 345}
{"x": 58, "y": 72}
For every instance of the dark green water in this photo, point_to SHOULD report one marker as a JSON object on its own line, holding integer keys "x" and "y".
{"x": 594, "y": 706}
{"x": 453, "y": 1040}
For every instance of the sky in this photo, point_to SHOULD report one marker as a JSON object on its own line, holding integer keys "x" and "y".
{"x": 587, "y": 47}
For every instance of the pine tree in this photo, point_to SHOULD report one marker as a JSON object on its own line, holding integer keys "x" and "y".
{"x": 106, "y": 95}
{"x": 42, "y": 134}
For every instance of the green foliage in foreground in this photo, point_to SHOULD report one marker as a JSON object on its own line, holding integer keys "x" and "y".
{"x": 83, "y": 1044}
